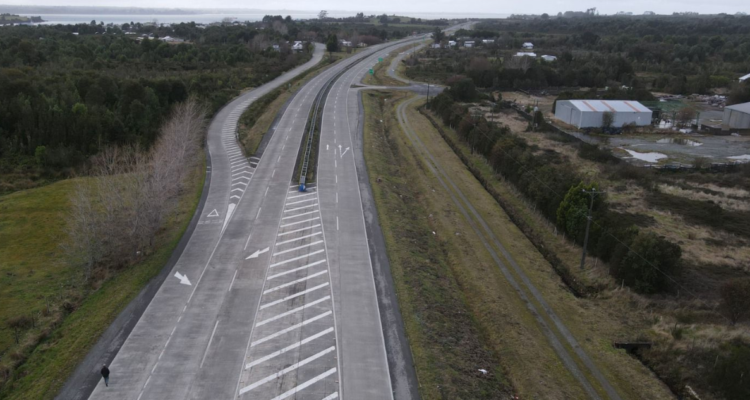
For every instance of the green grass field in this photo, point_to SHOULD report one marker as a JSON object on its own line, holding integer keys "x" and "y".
{"x": 33, "y": 272}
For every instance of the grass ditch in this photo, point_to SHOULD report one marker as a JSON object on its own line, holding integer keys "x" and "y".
{"x": 618, "y": 314}
{"x": 449, "y": 345}
{"x": 72, "y": 315}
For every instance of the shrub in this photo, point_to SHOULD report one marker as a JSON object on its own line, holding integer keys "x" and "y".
{"x": 735, "y": 299}
{"x": 649, "y": 261}
{"x": 730, "y": 376}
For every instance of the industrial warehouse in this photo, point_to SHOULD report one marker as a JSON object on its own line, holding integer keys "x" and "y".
{"x": 590, "y": 113}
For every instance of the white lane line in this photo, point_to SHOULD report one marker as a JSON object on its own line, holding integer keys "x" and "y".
{"x": 248, "y": 241}
{"x": 305, "y": 385}
{"x": 266, "y": 194}
{"x": 301, "y": 208}
{"x": 291, "y": 328}
{"x": 337, "y": 179}
{"x": 301, "y": 201}
{"x": 290, "y": 312}
{"x": 205, "y": 353}
{"x": 278, "y": 159}
{"x": 298, "y": 230}
{"x": 287, "y": 348}
{"x": 337, "y": 222}
{"x": 302, "y": 195}
{"x": 301, "y": 214}
{"x": 337, "y": 197}
{"x": 232, "y": 282}
{"x": 299, "y": 238}
{"x": 295, "y": 258}
{"x": 302, "y": 293}
{"x": 332, "y": 396}
{"x": 291, "y": 271}
{"x": 294, "y": 282}
{"x": 299, "y": 222}
{"x": 273, "y": 174}
{"x": 287, "y": 369}
{"x": 258, "y": 214}
{"x": 297, "y": 248}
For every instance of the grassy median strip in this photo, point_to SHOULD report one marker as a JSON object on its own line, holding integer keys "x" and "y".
{"x": 34, "y": 277}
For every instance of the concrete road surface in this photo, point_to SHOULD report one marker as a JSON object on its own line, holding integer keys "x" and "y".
{"x": 273, "y": 296}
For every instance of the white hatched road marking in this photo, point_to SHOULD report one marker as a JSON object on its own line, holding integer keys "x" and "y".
{"x": 289, "y": 329}
{"x": 296, "y": 269}
{"x": 287, "y": 369}
{"x": 292, "y": 311}
{"x": 287, "y": 298}
{"x": 299, "y": 238}
{"x": 299, "y": 222}
{"x": 298, "y": 230}
{"x": 287, "y": 348}
{"x": 292, "y": 283}
{"x": 305, "y": 385}
{"x": 297, "y": 248}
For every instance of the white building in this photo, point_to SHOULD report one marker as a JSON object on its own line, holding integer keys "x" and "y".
{"x": 469, "y": 43}
{"x": 346, "y": 43}
{"x": 488, "y": 41}
{"x": 590, "y": 113}
{"x": 452, "y": 43}
{"x": 528, "y": 45}
{"x": 744, "y": 78}
{"x": 526, "y": 54}
{"x": 549, "y": 58}
{"x": 737, "y": 116}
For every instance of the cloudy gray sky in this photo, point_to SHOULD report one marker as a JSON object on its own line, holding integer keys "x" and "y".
{"x": 404, "y": 7}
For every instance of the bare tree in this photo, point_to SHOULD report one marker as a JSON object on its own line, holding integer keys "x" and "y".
{"x": 323, "y": 14}
{"x": 116, "y": 214}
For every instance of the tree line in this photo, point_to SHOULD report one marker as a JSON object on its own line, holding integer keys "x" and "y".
{"x": 64, "y": 97}
{"x": 639, "y": 259}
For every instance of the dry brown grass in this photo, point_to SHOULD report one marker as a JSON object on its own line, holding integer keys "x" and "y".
{"x": 615, "y": 311}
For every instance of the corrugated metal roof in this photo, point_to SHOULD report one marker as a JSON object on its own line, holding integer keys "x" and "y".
{"x": 609, "y": 105}
{"x": 743, "y": 107}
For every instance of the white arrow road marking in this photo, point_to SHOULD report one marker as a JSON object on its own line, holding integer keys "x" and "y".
{"x": 234, "y": 196}
{"x": 257, "y": 253}
{"x": 339, "y": 149}
{"x": 342, "y": 154}
{"x": 213, "y": 213}
{"x": 237, "y": 189}
{"x": 183, "y": 278}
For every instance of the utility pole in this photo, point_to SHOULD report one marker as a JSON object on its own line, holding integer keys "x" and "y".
{"x": 593, "y": 192}
{"x": 428, "y": 91}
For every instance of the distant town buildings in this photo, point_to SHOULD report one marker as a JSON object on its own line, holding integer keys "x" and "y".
{"x": 469, "y": 44}
{"x": 526, "y": 54}
{"x": 549, "y": 58}
{"x": 528, "y": 46}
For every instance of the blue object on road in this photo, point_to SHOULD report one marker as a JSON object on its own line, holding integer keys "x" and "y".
{"x": 301, "y": 187}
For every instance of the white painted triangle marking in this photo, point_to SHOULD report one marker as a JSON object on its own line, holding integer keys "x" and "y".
{"x": 213, "y": 213}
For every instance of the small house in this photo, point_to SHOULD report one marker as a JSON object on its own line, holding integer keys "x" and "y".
{"x": 549, "y": 58}
{"x": 528, "y": 45}
{"x": 469, "y": 44}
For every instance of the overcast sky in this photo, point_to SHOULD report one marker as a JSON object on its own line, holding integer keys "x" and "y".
{"x": 404, "y": 7}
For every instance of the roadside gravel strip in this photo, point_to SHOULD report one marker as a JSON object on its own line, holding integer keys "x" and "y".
{"x": 559, "y": 338}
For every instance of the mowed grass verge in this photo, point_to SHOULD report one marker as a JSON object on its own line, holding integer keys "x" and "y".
{"x": 448, "y": 342}
{"x": 32, "y": 227}
{"x": 596, "y": 322}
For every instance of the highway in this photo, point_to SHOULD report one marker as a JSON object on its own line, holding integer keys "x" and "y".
{"x": 273, "y": 297}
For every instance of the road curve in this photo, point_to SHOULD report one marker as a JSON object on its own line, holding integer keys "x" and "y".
{"x": 257, "y": 316}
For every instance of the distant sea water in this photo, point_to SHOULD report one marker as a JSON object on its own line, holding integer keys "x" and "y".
{"x": 54, "y": 19}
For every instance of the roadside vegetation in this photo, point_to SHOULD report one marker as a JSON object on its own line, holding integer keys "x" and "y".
{"x": 77, "y": 251}
{"x": 380, "y": 76}
{"x": 641, "y": 228}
